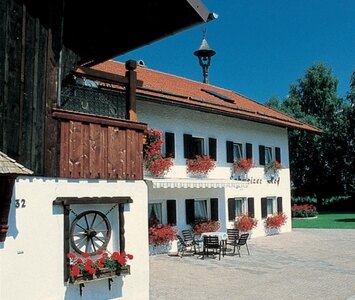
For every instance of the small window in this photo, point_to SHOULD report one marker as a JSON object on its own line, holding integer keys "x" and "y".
{"x": 200, "y": 207}
{"x": 237, "y": 151}
{"x": 268, "y": 155}
{"x": 155, "y": 214}
{"x": 240, "y": 206}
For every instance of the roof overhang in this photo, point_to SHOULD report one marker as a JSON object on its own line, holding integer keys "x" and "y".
{"x": 101, "y": 32}
{"x": 184, "y": 183}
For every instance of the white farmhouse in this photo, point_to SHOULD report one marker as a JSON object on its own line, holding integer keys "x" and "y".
{"x": 201, "y": 119}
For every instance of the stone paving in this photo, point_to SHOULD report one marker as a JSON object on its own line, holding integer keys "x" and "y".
{"x": 303, "y": 264}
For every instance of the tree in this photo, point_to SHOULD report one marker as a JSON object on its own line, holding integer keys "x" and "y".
{"x": 317, "y": 162}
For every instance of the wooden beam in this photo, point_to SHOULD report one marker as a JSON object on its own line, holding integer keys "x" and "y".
{"x": 91, "y": 200}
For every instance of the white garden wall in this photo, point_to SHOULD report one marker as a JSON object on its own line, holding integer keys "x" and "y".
{"x": 31, "y": 258}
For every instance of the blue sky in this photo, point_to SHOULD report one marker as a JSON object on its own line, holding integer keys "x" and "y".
{"x": 262, "y": 46}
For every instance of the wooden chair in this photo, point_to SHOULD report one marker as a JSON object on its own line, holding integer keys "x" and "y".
{"x": 242, "y": 241}
{"x": 233, "y": 236}
{"x": 211, "y": 245}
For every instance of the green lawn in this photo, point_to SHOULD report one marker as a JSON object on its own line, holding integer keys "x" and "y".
{"x": 327, "y": 220}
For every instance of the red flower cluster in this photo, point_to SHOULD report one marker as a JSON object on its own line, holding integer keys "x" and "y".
{"x": 205, "y": 225}
{"x": 303, "y": 211}
{"x": 273, "y": 166}
{"x": 275, "y": 221}
{"x": 202, "y": 164}
{"x": 83, "y": 263}
{"x": 162, "y": 234}
{"x": 154, "y": 162}
{"x": 245, "y": 223}
{"x": 243, "y": 165}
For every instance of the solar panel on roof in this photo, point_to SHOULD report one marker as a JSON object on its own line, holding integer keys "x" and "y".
{"x": 218, "y": 95}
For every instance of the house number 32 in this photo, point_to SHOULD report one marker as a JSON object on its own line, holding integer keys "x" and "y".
{"x": 20, "y": 203}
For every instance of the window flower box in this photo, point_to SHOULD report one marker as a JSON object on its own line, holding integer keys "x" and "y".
{"x": 241, "y": 168}
{"x": 84, "y": 268}
{"x": 201, "y": 165}
{"x": 273, "y": 223}
{"x": 205, "y": 225}
{"x": 245, "y": 223}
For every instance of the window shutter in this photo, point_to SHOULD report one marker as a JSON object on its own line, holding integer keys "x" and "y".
{"x": 278, "y": 154}
{"x": 279, "y": 204}
{"x": 251, "y": 207}
{"x": 249, "y": 150}
{"x": 261, "y": 155}
{"x": 263, "y": 208}
{"x": 187, "y": 145}
{"x": 231, "y": 209}
{"x": 171, "y": 211}
{"x": 190, "y": 211}
{"x": 212, "y": 148}
{"x": 214, "y": 209}
{"x": 169, "y": 144}
{"x": 229, "y": 147}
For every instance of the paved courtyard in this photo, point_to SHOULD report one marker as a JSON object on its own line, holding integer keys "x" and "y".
{"x": 304, "y": 264}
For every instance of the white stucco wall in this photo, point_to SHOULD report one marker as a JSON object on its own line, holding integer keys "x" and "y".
{"x": 31, "y": 258}
{"x": 199, "y": 124}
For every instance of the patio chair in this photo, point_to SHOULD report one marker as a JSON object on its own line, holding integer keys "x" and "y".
{"x": 211, "y": 245}
{"x": 233, "y": 236}
{"x": 182, "y": 246}
{"x": 242, "y": 241}
{"x": 190, "y": 240}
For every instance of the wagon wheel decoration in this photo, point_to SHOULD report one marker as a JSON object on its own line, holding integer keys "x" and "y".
{"x": 90, "y": 232}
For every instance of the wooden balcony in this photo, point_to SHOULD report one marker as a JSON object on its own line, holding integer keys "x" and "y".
{"x": 100, "y": 147}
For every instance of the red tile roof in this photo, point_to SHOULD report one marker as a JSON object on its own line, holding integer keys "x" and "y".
{"x": 176, "y": 90}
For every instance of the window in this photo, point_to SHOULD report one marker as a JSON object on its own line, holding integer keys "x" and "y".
{"x": 162, "y": 212}
{"x": 270, "y": 206}
{"x": 197, "y": 146}
{"x": 169, "y": 144}
{"x": 238, "y": 206}
{"x": 266, "y": 155}
{"x": 201, "y": 208}
{"x": 235, "y": 151}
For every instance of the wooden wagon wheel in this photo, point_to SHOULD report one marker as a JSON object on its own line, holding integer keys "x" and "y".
{"x": 90, "y": 231}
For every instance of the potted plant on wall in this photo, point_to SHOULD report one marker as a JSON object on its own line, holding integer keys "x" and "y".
{"x": 200, "y": 166}
{"x": 272, "y": 169}
{"x": 154, "y": 162}
{"x": 273, "y": 223}
{"x": 160, "y": 238}
{"x": 245, "y": 223}
{"x": 205, "y": 225}
{"x": 241, "y": 167}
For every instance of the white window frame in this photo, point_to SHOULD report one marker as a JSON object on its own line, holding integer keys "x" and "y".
{"x": 164, "y": 216}
{"x": 208, "y": 213}
{"x": 243, "y": 205}
{"x": 237, "y": 151}
{"x": 202, "y": 141}
{"x": 271, "y": 206}
{"x": 268, "y": 155}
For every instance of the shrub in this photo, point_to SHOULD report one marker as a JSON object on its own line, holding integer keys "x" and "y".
{"x": 275, "y": 221}
{"x": 205, "y": 225}
{"x": 245, "y": 223}
{"x": 304, "y": 200}
{"x": 162, "y": 234}
{"x": 303, "y": 211}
